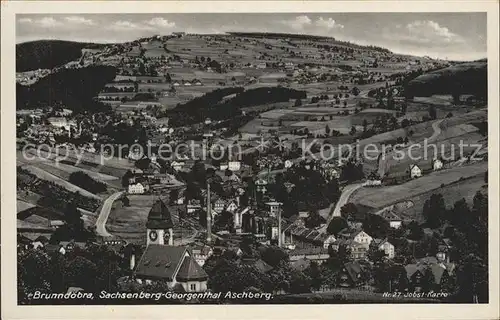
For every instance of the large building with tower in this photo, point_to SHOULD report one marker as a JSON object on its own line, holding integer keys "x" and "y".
{"x": 162, "y": 261}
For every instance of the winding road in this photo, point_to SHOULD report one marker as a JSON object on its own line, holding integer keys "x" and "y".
{"x": 104, "y": 214}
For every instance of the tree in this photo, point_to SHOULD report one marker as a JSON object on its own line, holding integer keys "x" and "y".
{"x": 143, "y": 163}
{"x": 375, "y": 255}
{"x": 416, "y": 232}
{"x": 428, "y": 280}
{"x": 336, "y": 225}
{"x": 274, "y": 256}
{"x": 33, "y": 273}
{"x": 365, "y": 125}
{"x": 349, "y": 211}
{"x": 126, "y": 201}
{"x": 353, "y": 131}
{"x": 314, "y": 220}
{"x": 376, "y": 226}
{"x": 224, "y": 221}
{"x": 405, "y": 123}
{"x": 81, "y": 272}
{"x": 315, "y": 275}
{"x": 434, "y": 210}
{"x": 327, "y": 130}
{"x": 432, "y": 112}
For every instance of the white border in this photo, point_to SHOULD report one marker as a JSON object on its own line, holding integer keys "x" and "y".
{"x": 367, "y": 311}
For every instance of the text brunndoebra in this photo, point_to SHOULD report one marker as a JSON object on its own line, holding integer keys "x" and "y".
{"x": 37, "y": 295}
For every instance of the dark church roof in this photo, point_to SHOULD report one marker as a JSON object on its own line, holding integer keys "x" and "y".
{"x": 159, "y": 216}
{"x": 190, "y": 270}
{"x": 159, "y": 262}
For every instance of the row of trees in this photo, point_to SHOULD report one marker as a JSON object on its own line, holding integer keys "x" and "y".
{"x": 84, "y": 181}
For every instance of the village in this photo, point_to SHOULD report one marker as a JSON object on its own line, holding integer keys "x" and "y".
{"x": 132, "y": 182}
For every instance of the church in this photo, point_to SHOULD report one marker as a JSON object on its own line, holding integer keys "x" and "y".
{"x": 162, "y": 261}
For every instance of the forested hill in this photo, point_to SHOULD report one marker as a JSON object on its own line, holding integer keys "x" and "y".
{"x": 73, "y": 88}
{"x": 463, "y": 78}
{"x": 47, "y": 54}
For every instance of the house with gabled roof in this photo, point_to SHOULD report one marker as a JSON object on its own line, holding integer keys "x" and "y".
{"x": 415, "y": 171}
{"x": 394, "y": 220}
{"x": 385, "y": 246}
{"x": 416, "y": 273}
{"x": 174, "y": 265}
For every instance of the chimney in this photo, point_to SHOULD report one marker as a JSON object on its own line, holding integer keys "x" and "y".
{"x": 209, "y": 215}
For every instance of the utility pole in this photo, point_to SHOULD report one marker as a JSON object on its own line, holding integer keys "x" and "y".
{"x": 279, "y": 226}
{"x": 209, "y": 215}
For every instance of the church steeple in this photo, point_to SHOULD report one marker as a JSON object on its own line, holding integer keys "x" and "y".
{"x": 159, "y": 222}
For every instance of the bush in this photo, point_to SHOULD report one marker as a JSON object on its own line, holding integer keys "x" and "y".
{"x": 84, "y": 181}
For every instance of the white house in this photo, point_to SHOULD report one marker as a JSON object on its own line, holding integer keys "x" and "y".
{"x": 137, "y": 188}
{"x": 387, "y": 247}
{"x": 328, "y": 241}
{"x": 234, "y": 165}
{"x": 438, "y": 164}
{"x": 274, "y": 208}
{"x": 177, "y": 165}
{"x": 362, "y": 238}
{"x": 232, "y": 206}
{"x": 415, "y": 171}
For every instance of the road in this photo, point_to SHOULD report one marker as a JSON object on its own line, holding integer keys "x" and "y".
{"x": 383, "y": 165}
{"x": 104, "y": 214}
{"x": 343, "y": 199}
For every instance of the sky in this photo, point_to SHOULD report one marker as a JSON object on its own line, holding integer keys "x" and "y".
{"x": 454, "y": 36}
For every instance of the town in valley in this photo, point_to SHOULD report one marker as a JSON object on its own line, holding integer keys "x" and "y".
{"x": 220, "y": 165}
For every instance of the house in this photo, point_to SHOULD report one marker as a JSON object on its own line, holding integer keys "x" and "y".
{"x": 394, "y": 220}
{"x": 259, "y": 264}
{"x": 175, "y": 265}
{"x": 234, "y": 165}
{"x": 201, "y": 253}
{"x": 428, "y": 268}
{"x": 219, "y": 205}
{"x": 261, "y": 65}
{"x": 362, "y": 237}
{"x": 319, "y": 255}
{"x": 193, "y": 205}
{"x": 274, "y": 208}
{"x": 351, "y": 274}
{"x": 177, "y": 165}
{"x": 301, "y": 264}
{"x": 386, "y": 246}
{"x": 415, "y": 171}
{"x": 137, "y": 188}
{"x": 232, "y": 206}
{"x": 358, "y": 242}
{"x": 437, "y": 164}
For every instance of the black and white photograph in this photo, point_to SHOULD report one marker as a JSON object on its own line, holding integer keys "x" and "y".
{"x": 263, "y": 158}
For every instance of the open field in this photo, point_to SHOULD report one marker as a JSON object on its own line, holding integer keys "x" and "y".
{"x": 466, "y": 189}
{"x": 42, "y": 174}
{"x": 23, "y": 205}
{"x": 381, "y": 197}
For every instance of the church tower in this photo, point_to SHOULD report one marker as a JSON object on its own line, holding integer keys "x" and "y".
{"x": 159, "y": 225}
